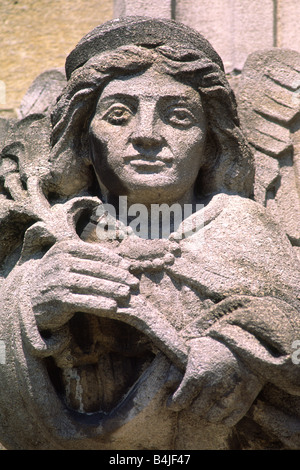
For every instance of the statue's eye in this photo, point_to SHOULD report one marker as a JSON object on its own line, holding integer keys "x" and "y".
{"x": 180, "y": 117}
{"x": 118, "y": 115}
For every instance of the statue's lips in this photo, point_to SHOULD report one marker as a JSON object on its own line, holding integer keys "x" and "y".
{"x": 147, "y": 165}
{"x": 149, "y": 161}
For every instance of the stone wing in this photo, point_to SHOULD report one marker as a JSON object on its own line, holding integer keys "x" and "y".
{"x": 24, "y": 151}
{"x": 268, "y": 96}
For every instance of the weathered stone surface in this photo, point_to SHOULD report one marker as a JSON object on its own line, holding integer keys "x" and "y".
{"x": 4, "y": 125}
{"x": 269, "y": 105}
{"x": 42, "y": 94}
{"x": 287, "y": 24}
{"x": 143, "y": 8}
{"x": 36, "y": 35}
{"x": 117, "y": 340}
{"x": 235, "y": 28}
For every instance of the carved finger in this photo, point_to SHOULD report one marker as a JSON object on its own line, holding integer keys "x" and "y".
{"x": 102, "y": 270}
{"x": 92, "y": 251}
{"x": 208, "y": 362}
{"x": 54, "y": 318}
{"x": 53, "y": 344}
{"x": 82, "y": 284}
{"x": 185, "y": 394}
{"x": 192, "y": 382}
{"x": 91, "y": 304}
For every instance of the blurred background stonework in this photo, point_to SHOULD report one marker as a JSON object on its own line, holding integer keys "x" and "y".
{"x": 37, "y": 35}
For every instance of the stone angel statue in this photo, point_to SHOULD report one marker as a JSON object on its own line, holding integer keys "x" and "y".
{"x": 184, "y": 340}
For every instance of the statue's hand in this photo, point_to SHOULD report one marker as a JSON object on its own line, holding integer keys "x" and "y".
{"x": 75, "y": 276}
{"x": 216, "y": 384}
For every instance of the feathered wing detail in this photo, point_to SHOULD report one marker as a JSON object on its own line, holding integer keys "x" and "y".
{"x": 25, "y": 143}
{"x": 24, "y": 162}
{"x": 268, "y": 96}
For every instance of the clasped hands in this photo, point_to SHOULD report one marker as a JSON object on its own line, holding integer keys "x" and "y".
{"x": 75, "y": 276}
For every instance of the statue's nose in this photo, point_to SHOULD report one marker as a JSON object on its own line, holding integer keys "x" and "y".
{"x": 146, "y": 139}
{"x": 146, "y": 131}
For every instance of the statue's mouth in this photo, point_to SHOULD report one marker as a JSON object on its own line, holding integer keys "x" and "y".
{"x": 103, "y": 360}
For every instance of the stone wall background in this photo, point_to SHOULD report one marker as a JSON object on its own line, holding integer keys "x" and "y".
{"x": 37, "y": 35}
{"x": 234, "y": 27}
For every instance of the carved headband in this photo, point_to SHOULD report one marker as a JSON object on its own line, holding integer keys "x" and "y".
{"x": 140, "y": 31}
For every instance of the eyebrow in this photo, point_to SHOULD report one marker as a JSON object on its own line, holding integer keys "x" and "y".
{"x": 127, "y": 96}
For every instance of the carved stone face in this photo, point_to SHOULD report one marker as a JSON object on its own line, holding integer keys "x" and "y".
{"x": 148, "y": 138}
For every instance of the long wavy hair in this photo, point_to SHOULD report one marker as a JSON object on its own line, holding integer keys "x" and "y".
{"x": 229, "y": 164}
